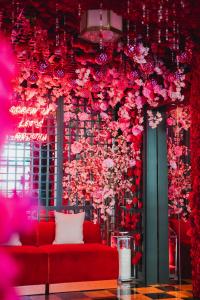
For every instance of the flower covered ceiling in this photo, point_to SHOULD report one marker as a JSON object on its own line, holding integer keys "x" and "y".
{"x": 155, "y": 21}
{"x": 146, "y": 67}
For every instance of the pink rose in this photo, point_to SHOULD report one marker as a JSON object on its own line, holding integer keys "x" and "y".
{"x": 170, "y": 121}
{"x": 137, "y": 129}
{"x": 139, "y": 102}
{"x": 108, "y": 163}
{"x": 173, "y": 164}
{"x": 132, "y": 162}
{"x": 104, "y": 116}
{"x": 124, "y": 113}
{"x": 178, "y": 151}
{"x": 83, "y": 116}
{"x": 76, "y": 147}
{"x": 68, "y": 116}
{"x": 148, "y": 93}
{"x": 104, "y": 106}
{"x": 123, "y": 124}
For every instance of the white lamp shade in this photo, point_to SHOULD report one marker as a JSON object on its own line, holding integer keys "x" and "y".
{"x": 110, "y": 26}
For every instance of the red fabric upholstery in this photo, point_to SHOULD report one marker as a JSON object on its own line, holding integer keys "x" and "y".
{"x": 46, "y": 233}
{"x": 31, "y": 237}
{"x": 32, "y": 263}
{"x": 81, "y": 262}
{"x": 47, "y": 263}
{"x": 91, "y": 232}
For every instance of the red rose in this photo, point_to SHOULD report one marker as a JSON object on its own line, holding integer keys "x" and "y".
{"x": 130, "y": 172}
{"x": 136, "y": 258}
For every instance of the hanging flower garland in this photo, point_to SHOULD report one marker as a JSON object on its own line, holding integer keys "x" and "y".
{"x": 146, "y": 82}
{"x": 179, "y": 168}
{"x": 100, "y": 174}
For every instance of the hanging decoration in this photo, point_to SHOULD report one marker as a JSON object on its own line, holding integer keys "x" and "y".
{"x": 179, "y": 166}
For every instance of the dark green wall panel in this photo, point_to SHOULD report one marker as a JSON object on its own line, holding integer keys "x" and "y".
{"x": 156, "y": 205}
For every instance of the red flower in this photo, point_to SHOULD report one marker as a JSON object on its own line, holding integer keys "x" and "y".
{"x": 136, "y": 258}
{"x": 135, "y": 200}
{"x": 130, "y": 172}
{"x": 133, "y": 188}
{"x": 140, "y": 204}
{"x": 137, "y": 238}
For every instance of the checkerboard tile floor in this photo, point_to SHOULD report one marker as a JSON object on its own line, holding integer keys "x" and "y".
{"x": 126, "y": 292}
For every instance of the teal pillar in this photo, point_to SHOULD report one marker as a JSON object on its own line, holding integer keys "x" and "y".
{"x": 156, "y": 258}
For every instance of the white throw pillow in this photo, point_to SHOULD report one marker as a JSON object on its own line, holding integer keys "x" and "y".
{"x": 14, "y": 240}
{"x": 69, "y": 228}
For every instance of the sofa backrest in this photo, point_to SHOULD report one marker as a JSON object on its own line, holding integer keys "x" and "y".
{"x": 30, "y": 237}
{"x": 44, "y": 233}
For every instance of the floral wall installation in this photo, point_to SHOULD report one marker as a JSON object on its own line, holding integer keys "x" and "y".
{"x": 195, "y": 176}
{"x": 179, "y": 165}
{"x": 119, "y": 85}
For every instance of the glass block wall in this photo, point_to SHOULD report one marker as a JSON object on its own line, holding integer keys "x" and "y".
{"x": 15, "y": 167}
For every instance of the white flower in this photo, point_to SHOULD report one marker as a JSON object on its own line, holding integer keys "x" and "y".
{"x": 108, "y": 163}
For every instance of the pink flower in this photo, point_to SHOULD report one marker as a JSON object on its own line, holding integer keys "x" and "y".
{"x": 68, "y": 115}
{"x": 104, "y": 106}
{"x": 139, "y": 102}
{"x": 108, "y": 163}
{"x": 178, "y": 151}
{"x": 97, "y": 195}
{"x": 173, "y": 164}
{"x": 137, "y": 129}
{"x": 76, "y": 147}
{"x": 132, "y": 162}
{"x": 124, "y": 113}
{"x": 83, "y": 116}
{"x": 148, "y": 93}
{"x": 124, "y": 124}
{"x": 170, "y": 121}
{"x": 104, "y": 116}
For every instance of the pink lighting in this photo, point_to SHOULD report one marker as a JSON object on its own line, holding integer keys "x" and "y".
{"x": 24, "y": 110}
{"x": 30, "y": 123}
{"x": 27, "y": 137}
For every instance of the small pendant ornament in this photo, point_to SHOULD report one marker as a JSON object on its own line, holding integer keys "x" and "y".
{"x": 102, "y": 59}
{"x": 59, "y": 72}
{"x": 33, "y": 77}
{"x": 43, "y": 66}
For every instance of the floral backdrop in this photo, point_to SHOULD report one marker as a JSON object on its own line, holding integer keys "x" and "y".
{"x": 120, "y": 86}
{"x": 195, "y": 176}
{"x": 179, "y": 165}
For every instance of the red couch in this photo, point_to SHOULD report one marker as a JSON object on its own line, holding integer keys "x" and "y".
{"x": 41, "y": 262}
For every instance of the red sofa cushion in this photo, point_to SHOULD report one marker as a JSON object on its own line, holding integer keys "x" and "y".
{"x": 46, "y": 232}
{"x": 30, "y": 238}
{"x": 91, "y": 232}
{"x": 32, "y": 263}
{"x": 81, "y": 262}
